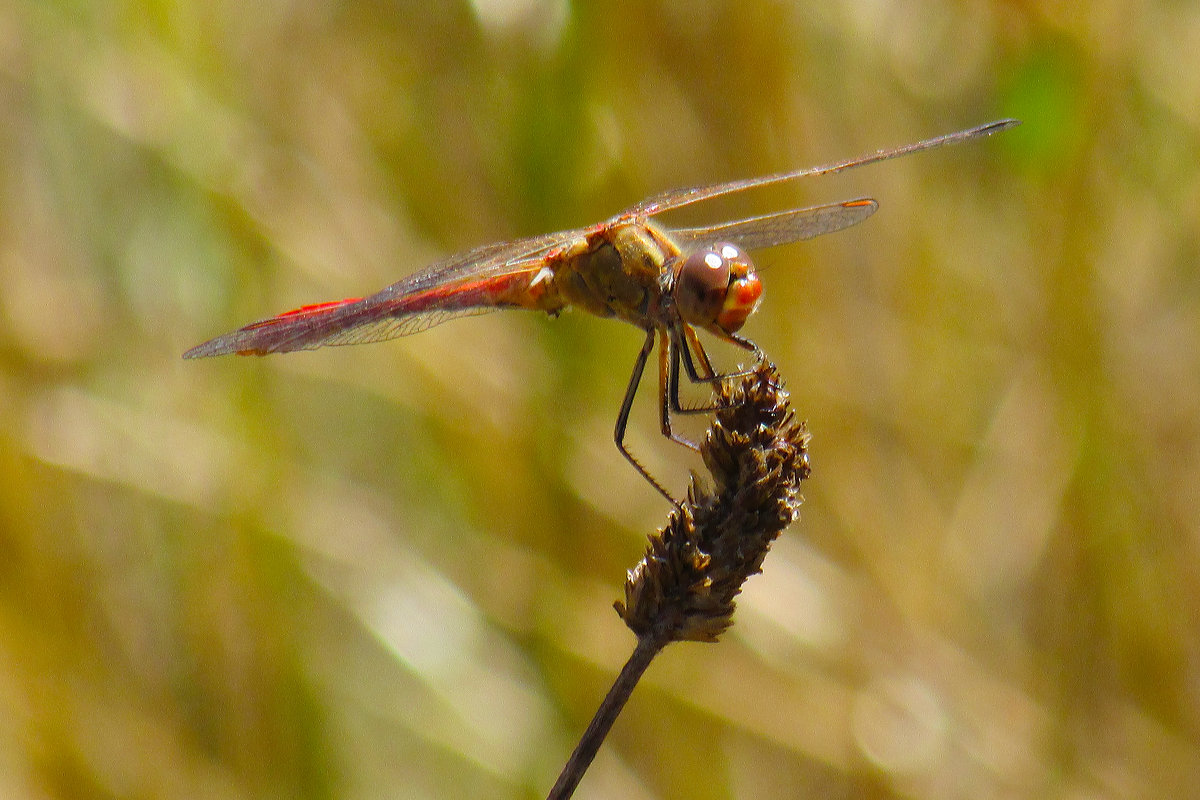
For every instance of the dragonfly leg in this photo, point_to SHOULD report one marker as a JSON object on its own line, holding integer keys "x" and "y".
{"x": 746, "y": 344}
{"x": 709, "y": 375}
{"x": 668, "y": 385}
{"x": 694, "y": 345}
{"x": 732, "y": 338}
{"x": 674, "y": 349}
{"x": 682, "y": 349}
{"x": 639, "y": 366}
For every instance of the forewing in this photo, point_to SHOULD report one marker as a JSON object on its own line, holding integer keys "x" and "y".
{"x": 678, "y": 198}
{"x": 782, "y": 227}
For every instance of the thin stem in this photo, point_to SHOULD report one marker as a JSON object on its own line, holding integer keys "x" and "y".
{"x": 684, "y": 588}
{"x": 647, "y": 648}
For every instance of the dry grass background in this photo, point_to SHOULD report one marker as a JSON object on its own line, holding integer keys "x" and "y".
{"x": 387, "y": 571}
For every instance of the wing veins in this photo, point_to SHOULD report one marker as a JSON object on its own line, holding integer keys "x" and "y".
{"x": 679, "y": 198}
{"x": 381, "y": 316}
{"x": 782, "y": 227}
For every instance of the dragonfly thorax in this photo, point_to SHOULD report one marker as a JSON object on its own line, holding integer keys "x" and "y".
{"x": 616, "y": 273}
{"x": 717, "y": 287}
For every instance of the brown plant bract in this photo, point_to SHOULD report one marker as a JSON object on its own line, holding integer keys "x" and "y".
{"x": 685, "y": 586}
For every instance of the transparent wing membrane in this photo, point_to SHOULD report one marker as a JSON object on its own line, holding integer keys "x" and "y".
{"x": 783, "y": 227}
{"x": 679, "y": 198}
{"x": 434, "y": 295}
{"x": 392, "y": 327}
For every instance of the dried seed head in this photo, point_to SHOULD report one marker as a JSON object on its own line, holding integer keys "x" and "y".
{"x": 684, "y": 587}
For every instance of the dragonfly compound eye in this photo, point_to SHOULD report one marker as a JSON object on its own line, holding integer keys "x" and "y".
{"x": 717, "y": 287}
{"x": 701, "y": 283}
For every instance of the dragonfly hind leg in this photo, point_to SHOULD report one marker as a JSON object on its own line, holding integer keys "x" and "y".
{"x": 639, "y": 367}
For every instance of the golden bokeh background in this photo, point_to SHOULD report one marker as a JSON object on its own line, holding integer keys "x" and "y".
{"x": 388, "y": 571}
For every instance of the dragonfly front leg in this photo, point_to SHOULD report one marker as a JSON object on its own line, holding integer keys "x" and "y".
{"x": 746, "y": 344}
{"x": 710, "y": 375}
{"x": 689, "y": 343}
{"x": 639, "y": 366}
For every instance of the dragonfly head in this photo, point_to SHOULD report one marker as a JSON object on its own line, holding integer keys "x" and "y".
{"x": 717, "y": 288}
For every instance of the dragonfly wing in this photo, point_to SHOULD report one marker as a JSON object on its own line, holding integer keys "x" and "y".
{"x": 782, "y": 227}
{"x": 393, "y": 326}
{"x": 468, "y": 283}
{"x": 347, "y": 322}
{"x": 683, "y": 197}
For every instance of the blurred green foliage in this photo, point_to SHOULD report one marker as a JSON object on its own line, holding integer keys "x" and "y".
{"x": 387, "y": 571}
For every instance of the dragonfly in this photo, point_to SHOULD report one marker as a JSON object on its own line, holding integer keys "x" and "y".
{"x": 667, "y": 281}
